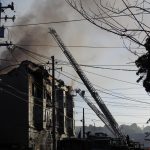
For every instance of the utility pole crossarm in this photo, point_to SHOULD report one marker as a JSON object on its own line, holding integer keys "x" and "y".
{"x": 89, "y": 86}
{"x": 5, "y": 18}
{"x": 2, "y": 8}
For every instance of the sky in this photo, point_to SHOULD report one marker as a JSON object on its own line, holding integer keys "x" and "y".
{"x": 117, "y": 88}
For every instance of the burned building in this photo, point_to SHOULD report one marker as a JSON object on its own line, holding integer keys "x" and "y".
{"x": 65, "y": 123}
{"x": 26, "y": 108}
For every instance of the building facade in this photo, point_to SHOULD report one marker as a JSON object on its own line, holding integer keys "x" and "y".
{"x": 26, "y": 108}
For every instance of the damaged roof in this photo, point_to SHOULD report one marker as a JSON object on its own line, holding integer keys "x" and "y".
{"x": 32, "y": 68}
{"x": 29, "y": 67}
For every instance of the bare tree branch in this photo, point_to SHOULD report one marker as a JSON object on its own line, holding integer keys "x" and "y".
{"x": 127, "y": 19}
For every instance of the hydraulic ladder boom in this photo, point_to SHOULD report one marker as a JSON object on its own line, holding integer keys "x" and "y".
{"x": 88, "y": 85}
{"x": 95, "y": 109}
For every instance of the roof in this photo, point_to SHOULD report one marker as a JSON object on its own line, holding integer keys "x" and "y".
{"x": 30, "y": 67}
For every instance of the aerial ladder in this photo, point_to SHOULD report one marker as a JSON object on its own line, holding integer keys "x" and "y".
{"x": 95, "y": 109}
{"x": 112, "y": 122}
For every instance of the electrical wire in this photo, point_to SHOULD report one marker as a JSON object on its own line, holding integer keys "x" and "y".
{"x": 24, "y": 100}
{"x": 105, "y": 68}
{"x": 111, "y": 78}
{"x": 93, "y": 66}
{"x": 125, "y": 98}
{"x": 139, "y": 116}
{"x": 78, "y": 46}
{"x": 65, "y": 21}
{"x": 93, "y": 84}
{"x": 117, "y": 104}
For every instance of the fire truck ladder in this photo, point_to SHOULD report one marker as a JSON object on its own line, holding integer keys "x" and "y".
{"x": 95, "y": 109}
{"x": 114, "y": 125}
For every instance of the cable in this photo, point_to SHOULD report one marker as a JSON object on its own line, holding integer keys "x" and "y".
{"x": 26, "y": 77}
{"x": 130, "y": 88}
{"x": 105, "y": 68}
{"x": 93, "y": 84}
{"x": 126, "y": 106}
{"x": 80, "y": 64}
{"x": 139, "y": 116}
{"x": 21, "y": 92}
{"x": 26, "y": 72}
{"x": 5, "y": 60}
{"x": 24, "y": 100}
{"x": 108, "y": 68}
{"x": 46, "y": 23}
{"x": 79, "y": 46}
{"x": 6, "y": 67}
{"x": 65, "y": 21}
{"x": 7, "y": 92}
{"x": 125, "y": 98}
{"x": 111, "y": 78}
{"x": 118, "y": 104}
{"x": 34, "y": 53}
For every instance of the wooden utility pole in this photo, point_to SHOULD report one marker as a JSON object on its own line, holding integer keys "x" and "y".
{"x": 83, "y": 124}
{"x": 53, "y": 103}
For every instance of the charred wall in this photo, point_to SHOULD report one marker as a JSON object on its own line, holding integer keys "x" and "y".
{"x": 14, "y": 108}
{"x": 69, "y": 113}
{"x": 37, "y": 93}
{"x": 60, "y": 110}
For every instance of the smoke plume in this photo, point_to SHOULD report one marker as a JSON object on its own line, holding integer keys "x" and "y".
{"x": 24, "y": 36}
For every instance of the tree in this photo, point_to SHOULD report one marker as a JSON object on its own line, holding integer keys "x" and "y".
{"x": 127, "y": 19}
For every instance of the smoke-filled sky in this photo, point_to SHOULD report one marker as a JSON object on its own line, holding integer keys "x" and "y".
{"x": 118, "y": 88}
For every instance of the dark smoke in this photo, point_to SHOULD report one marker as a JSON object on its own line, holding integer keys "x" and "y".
{"x": 41, "y": 11}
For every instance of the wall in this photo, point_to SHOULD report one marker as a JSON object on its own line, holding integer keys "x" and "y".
{"x": 39, "y": 109}
{"x": 26, "y": 107}
{"x": 14, "y": 108}
{"x": 60, "y": 110}
{"x": 69, "y": 114}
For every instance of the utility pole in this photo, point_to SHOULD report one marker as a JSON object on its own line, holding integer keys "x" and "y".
{"x": 83, "y": 124}
{"x": 53, "y": 104}
{"x": 5, "y": 18}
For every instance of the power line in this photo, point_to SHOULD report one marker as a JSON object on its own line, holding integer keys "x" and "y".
{"x": 78, "y": 46}
{"x": 117, "y": 103}
{"x": 37, "y": 54}
{"x": 5, "y": 60}
{"x": 98, "y": 67}
{"x": 46, "y": 23}
{"x": 24, "y": 100}
{"x": 67, "y": 21}
{"x": 111, "y": 78}
{"x": 129, "y": 88}
{"x": 125, "y": 98}
{"x": 122, "y": 105}
{"x": 99, "y": 90}
{"x": 139, "y": 116}
{"x": 6, "y": 67}
{"x": 93, "y": 84}
{"x": 104, "y": 68}
{"x": 80, "y": 64}
{"x": 92, "y": 66}
{"x": 40, "y": 87}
